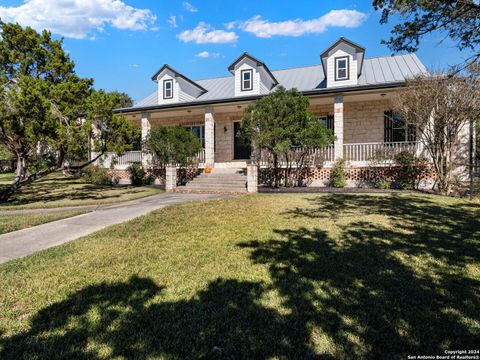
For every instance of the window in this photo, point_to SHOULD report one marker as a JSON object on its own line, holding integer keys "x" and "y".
{"x": 341, "y": 68}
{"x": 327, "y": 122}
{"x": 397, "y": 129}
{"x": 199, "y": 132}
{"x": 247, "y": 83}
{"x": 167, "y": 89}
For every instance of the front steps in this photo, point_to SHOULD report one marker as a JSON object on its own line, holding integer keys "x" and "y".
{"x": 220, "y": 180}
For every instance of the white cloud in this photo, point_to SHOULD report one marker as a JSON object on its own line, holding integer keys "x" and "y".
{"x": 78, "y": 18}
{"x": 205, "y": 34}
{"x": 297, "y": 27}
{"x": 206, "y": 54}
{"x": 172, "y": 21}
{"x": 189, "y": 7}
{"x": 134, "y": 66}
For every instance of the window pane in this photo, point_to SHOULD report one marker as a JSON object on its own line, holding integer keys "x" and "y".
{"x": 196, "y": 131}
{"x": 398, "y": 135}
{"x": 342, "y": 64}
{"x": 246, "y": 75}
{"x": 342, "y": 73}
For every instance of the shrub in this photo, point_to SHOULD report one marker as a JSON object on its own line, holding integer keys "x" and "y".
{"x": 138, "y": 176}
{"x": 98, "y": 175}
{"x": 410, "y": 168}
{"x": 383, "y": 184}
{"x": 339, "y": 179}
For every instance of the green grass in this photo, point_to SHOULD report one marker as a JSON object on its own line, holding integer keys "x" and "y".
{"x": 255, "y": 277}
{"x": 7, "y": 178}
{"x": 9, "y": 223}
{"x": 56, "y": 190}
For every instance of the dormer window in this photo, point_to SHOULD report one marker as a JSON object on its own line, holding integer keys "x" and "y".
{"x": 247, "y": 83}
{"x": 342, "y": 68}
{"x": 168, "y": 89}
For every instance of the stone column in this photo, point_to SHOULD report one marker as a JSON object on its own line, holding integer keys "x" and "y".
{"x": 146, "y": 157}
{"x": 338, "y": 126}
{"x": 252, "y": 178}
{"x": 209, "y": 137}
{"x": 170, "y": 178}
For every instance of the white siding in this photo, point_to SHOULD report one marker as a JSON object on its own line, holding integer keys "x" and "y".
{"x": 167, "y": 75}
{"x": 339, "y": 51}
{"x": 247, "y": 64}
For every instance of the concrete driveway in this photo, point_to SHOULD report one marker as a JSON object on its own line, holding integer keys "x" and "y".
{"x": 21, "y": 243}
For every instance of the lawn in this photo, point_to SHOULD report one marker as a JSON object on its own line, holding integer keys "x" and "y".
{"x": 10, "y": 223}
{"x": 56, "y": 190}
{"x": 6, "y": 178}
{"x": 255, "y": 277}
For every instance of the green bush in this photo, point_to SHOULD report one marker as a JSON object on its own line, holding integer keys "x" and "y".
{"x": 409, "y": 170}
{"x": 383, "y": 184}
{"x": 138, "y": 176}
{"x": 339, "y": 179}
{"x": 98, "y": 175}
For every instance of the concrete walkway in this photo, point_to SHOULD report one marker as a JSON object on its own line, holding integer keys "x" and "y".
{"x": 21, "y": 243}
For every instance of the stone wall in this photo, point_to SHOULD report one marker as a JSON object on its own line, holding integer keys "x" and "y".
{"x": 364, "y": 121}
{"x": 224, "y": 135}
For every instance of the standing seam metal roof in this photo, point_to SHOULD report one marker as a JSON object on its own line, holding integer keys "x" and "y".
{"x": 376, "y": 71}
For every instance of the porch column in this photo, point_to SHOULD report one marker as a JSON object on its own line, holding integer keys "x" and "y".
{"x": 338, "y": 127}
{"x": 209, "y": 137}
{"x": 146, "y": 157}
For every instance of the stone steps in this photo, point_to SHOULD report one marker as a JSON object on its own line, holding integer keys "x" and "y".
{"x": 224, "y": 180}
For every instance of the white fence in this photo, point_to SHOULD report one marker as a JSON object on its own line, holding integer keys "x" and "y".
{"x": 365, "y": 151}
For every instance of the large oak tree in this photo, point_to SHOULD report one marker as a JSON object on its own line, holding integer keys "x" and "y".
{"x": 48, "y": 114}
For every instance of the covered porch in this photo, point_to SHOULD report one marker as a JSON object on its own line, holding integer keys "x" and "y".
{"x": 363, "y": 125}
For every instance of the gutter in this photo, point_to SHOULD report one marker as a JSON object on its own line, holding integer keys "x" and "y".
{"x": 350, "y": 89}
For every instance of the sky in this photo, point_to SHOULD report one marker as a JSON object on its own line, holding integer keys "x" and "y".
{"x": 122, "y": 43}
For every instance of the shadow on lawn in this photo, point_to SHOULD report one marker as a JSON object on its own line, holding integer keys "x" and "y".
{"x": 378, "y": 290}
{"x": 381, "y": 290}
{"x": 61, "y": 188}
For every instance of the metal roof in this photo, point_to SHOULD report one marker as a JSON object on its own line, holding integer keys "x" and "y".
{"x": 376, "y": 72}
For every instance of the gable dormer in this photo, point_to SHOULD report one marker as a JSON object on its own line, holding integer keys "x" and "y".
{"x": 174, "y": 87}
{"x": 252, "y": 77}
{"x": 342, "y": 63}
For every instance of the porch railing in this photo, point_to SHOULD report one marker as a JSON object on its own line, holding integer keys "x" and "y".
{"x": 128, "y": 158}
{"x": 365, "y": 151}
{"x": 312, "y": 157}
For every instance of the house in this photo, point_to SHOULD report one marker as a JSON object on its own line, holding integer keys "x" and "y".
{"x": 350, "y": 93}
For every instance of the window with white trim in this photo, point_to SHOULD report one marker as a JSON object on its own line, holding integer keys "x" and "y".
{"x": 247, "y": 80}
{"x": 342, "y": 68}
{"x": 167, "y": 89}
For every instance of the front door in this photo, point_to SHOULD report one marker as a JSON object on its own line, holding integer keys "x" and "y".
{"x": 241, "y": 148}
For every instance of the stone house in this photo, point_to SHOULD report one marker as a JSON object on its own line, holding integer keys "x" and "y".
{"x": 350, "y": 94}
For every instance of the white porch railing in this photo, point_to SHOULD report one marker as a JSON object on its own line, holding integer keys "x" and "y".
{"x": 128, "y": 158}
{"x": 365, "y": 151}
{"x": 313, "y": 157}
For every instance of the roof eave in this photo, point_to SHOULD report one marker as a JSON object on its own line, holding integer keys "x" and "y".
{"x": 324, "y": 91}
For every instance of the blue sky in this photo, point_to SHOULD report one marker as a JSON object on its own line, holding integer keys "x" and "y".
{"x": 121, "y": 43}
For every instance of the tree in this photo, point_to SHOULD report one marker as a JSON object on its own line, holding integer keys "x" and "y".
{"x": 280, "y": 123}
{"x": 441, "y": 108}
{"x": 459, "y": 20}
{"x": 41, "y": 99}
{"x": 173, "y": 145}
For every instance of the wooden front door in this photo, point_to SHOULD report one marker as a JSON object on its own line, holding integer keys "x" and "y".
{"x": 241, "y": 148}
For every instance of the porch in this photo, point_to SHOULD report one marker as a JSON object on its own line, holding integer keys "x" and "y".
{"x": 363, "y": 125}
